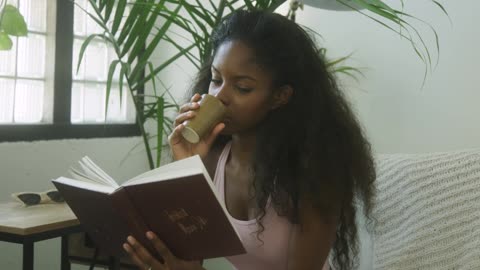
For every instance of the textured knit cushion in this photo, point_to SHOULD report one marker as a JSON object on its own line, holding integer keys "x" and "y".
{"x": 428, "y": 211}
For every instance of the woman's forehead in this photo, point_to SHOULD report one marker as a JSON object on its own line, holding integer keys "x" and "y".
{"x": 234, "y": 54}
{"x": 235, "y": 58}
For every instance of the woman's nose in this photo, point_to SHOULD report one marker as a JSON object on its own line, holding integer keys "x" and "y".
{"x": 222, "y": 94}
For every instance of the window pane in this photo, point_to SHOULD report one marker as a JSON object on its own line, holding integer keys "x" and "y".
{"x": 93, "y": 106}
{"x": 88, "y": 104}
{"x": 77, "y": 103}
{"x": 117, "y": 108}
{"x": 88, "y": 91}
{"x": 29, "y": 101}
{"x": 13, "y": 2}
{"x": 92, "y": 26}
{"x": 7, "y": 88}
{"x": 97, "y": 57}
{"x": 34, "y": 13}
{"x": 23, "y": 86}
{"x": 96, "y": 60}
{"x": 80, "y": 18}
{"x": 31, "y": 56}
{"x": 8, "y": 61}
{"x": 80, "y": 75}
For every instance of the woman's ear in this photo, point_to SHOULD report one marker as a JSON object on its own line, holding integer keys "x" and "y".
{"x": 282, "y": 96}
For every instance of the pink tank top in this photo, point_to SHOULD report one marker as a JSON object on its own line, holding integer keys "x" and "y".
{"x": 272, "y": 253}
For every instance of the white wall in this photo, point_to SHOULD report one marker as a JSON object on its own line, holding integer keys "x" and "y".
{"x": 397, "y": 113}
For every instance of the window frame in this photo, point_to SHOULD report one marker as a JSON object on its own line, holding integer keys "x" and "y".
{"x": 61, "y": 127}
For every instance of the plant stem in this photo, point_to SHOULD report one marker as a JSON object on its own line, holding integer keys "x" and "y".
{"x": 140, "y": 122}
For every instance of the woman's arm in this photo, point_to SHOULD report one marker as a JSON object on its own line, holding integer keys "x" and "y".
{"x": 311, "y": 240}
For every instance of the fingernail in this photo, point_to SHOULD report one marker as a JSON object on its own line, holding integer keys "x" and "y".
{"x": 126, "y": 247}
{"x": 131, "y": 240}
{"x": 149, "y": 235}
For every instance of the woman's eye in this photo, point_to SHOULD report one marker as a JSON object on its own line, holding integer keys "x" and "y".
{"x": 216, "y": 82}
{"x": 244, "y": 90}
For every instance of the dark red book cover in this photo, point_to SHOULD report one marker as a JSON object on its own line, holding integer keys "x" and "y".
{"x": 184, "y": 212}
{"x": 96, "y": 213}
{"x": 186, "y": 215}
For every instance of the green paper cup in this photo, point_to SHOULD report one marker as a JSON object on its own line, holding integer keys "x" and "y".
{"x": 209, "y": 114}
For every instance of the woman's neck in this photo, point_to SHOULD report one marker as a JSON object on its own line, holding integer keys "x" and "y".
{"x": 243, "y": 147}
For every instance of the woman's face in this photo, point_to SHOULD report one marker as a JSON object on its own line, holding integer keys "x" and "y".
{"x": 242, "y": 85}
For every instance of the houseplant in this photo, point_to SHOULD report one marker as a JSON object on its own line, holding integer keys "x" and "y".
{"x": 131, "y": 28}
{"x": 12, "y": 23}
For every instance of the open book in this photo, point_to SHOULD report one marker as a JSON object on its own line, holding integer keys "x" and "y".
{"x": 177, "y": 201}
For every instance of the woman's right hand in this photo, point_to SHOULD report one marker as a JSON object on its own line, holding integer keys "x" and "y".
{"x": 180, "y": 147}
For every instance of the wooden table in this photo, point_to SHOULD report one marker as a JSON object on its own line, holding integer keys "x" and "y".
{"x": 27, "y": 225}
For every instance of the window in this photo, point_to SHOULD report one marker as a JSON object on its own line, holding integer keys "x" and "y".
{"x": 89, "y": 84}
{"x": 23, "y": 78}
{"x": 41, "y": 94}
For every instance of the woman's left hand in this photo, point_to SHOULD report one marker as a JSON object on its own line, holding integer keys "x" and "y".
{"x": 145, "y": 261}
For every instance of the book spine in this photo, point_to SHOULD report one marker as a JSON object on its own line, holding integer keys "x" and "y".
{"x": 135, "y": 222}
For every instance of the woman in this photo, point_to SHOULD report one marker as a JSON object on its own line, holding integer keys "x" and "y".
{"x": 290, "y": 157}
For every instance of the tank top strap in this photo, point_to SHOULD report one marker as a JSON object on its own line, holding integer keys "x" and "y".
{"x": 219, "y": 178}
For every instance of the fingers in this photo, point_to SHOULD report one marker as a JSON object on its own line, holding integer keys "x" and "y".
{"x": 187, "y": 110}
{"x": 189, "y": 106}
{"x": 135, "y": 258}
{"x": 140, "y": 255}
{"x": 145, "y": 261}
{"x": 192, "y": 105}
{"x": 196, "y": 97}
{"x": 184, "y": 117}
{"x": 161, "y": 248}
{"x": 176, "y": 136}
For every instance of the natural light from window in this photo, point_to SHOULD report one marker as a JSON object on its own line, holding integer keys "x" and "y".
{"x": 23, "y": 77}
{"x": 89, "y": 84}
{"x": 27, "y": 72}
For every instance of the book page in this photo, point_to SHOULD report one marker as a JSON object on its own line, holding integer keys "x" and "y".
{"x": 170, "y": 175}
{"x": 85, "y": 185}
{"x": 81, "y": 176}
{"x": 90, "y": 172}
{"x": 183, "y": 167}
{"x": 101, "y": 173}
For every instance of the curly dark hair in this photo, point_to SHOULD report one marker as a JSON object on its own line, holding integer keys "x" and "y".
{"x": 313, "y": 147}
